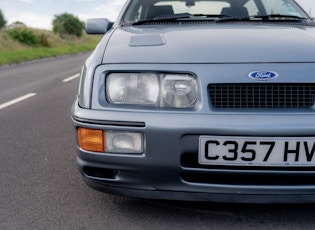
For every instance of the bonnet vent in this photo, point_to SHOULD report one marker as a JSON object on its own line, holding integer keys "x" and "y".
{"x": 147, "y": 40}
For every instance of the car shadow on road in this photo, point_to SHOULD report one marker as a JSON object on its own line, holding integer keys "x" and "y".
{"x": 201, "y": 215}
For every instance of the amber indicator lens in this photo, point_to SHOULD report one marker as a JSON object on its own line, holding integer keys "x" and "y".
{"x": 91, "y": 139}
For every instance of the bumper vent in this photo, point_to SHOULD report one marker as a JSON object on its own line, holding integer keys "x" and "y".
{"x": 262, "y": 96}
{"x": 99, "y": 173}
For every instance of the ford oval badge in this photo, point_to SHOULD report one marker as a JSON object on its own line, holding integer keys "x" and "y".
{"x": 263, "y": 75}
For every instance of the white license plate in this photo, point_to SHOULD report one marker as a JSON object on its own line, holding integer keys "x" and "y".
{"x": 257, "y": 151}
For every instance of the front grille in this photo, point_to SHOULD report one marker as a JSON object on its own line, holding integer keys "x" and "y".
{"x": 193, "y": 172}
{"x": 190, "y": 161}
{"x": 262, "y": 95}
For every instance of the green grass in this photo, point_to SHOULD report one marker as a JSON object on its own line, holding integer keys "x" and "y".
{"x": 51, "y": 45}
{"x": 17, "y": 56}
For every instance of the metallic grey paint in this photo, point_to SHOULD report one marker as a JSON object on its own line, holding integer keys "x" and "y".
{"x": 215, "y": 53}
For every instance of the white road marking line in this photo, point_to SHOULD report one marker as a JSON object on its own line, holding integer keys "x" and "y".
{"x": 17, "y": 100}
{"x": 71, "y": 78}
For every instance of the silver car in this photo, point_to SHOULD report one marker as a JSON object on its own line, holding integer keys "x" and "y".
{"x": 201, "y": 100}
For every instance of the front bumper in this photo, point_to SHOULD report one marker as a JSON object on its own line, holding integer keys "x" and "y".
{"x": 169, "y": 168}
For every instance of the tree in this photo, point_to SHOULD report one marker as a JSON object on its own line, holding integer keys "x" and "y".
{"x": 2, "y": 20}
{"x": 17, "y": 24}
{"x": 67, "y": 24}
{"x": 23, "y": 35}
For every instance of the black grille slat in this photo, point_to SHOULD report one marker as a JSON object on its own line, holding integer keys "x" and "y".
{"x": 194, "y": 172}
{"x": 262, "y": 95}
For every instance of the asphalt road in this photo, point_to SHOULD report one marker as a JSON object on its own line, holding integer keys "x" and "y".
{"x": 40, "y": 187}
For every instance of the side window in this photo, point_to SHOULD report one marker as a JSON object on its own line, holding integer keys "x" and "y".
{"x": 134, "y": 13}
{"x": 280, "y": 7}
{"x": 138, "y": 15}
{"x": 252, "y": 8}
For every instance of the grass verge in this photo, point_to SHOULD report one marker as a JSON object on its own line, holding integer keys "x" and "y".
{"x": 13, "y": 51}
{"x": 17, "y": 56}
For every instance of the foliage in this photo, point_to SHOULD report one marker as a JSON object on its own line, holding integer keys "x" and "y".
{"x": 18, "y": 56}
{"x": 67, "y": 24}
{"x": 49, "y": 45}
{"x": 23, "y": 35}
{"x": 2, "y": 20}
{"x": 17, "y": 24}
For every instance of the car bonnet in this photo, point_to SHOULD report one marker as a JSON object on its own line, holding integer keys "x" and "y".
{"x": 227, "y": 43}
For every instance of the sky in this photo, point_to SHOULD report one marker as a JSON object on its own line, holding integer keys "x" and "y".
{"x": 40, "y": 13}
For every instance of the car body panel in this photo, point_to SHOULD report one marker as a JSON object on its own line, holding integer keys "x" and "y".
{"x": 204, "y": 44}
{"x": 237, "y": 53}
{"x": 151, "y": 172}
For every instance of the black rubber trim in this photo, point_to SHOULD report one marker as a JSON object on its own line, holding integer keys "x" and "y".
{"x": 208, "y": 197}
{"x": 111, "y": 123}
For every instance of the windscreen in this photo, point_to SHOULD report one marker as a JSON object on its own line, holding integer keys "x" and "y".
{"x": 140, "y": 10}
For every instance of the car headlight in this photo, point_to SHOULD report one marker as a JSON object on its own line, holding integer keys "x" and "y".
{"x": 152, "y": 89}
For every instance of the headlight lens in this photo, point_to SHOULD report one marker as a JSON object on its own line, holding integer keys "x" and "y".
{"x": 151, "y": 89}
{"x": 179, "y": 91}
{"x": 132, "y": 89}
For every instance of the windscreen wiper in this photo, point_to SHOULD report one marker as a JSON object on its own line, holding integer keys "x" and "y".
{"x": 269, "y": 17}
{"x": 282, "y": 16}
{"x": 176, "y": 17}
{"x": 218, "y": 18}
{"x": 224, "y": 18}
{"x": 167, "y": 17}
